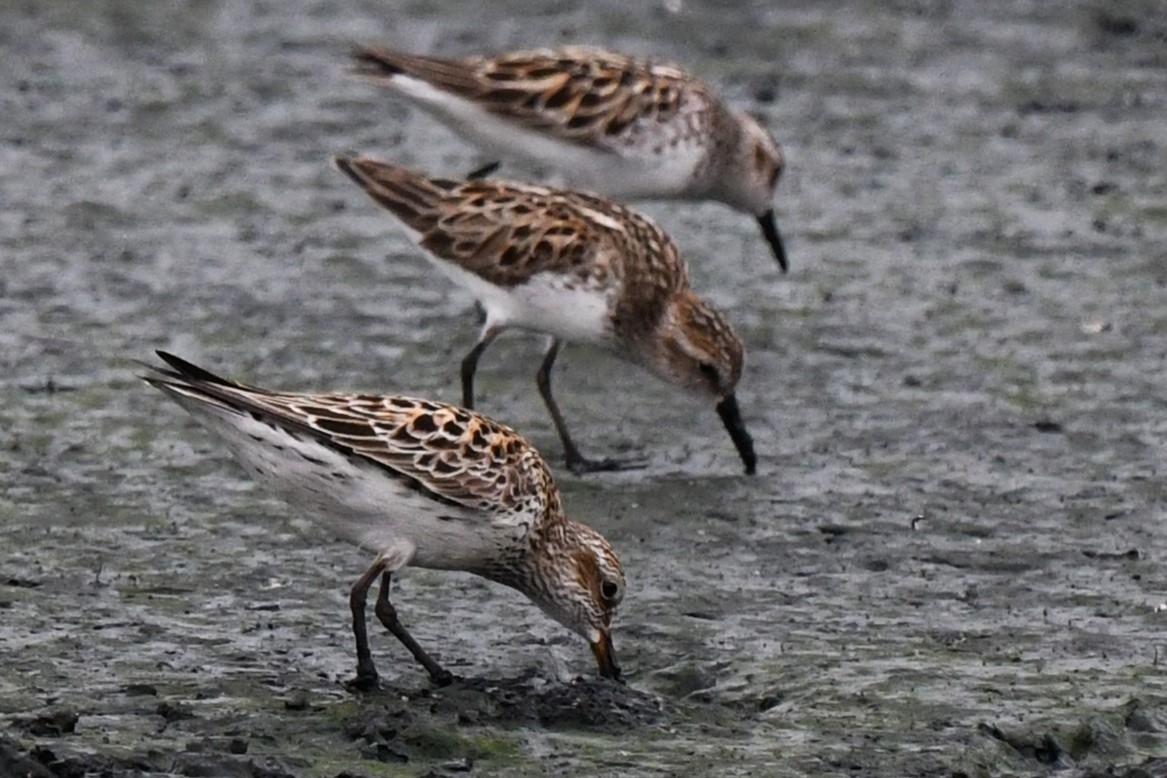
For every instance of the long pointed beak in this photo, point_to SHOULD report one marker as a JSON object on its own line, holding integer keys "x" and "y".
{"x": 606, "y": 656}
{"x": 731, "y": 417}
{"x": 773, "y": 237}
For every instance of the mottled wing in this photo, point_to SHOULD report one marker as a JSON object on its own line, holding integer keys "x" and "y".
{"x": 506, "y": 233}
{"x": 456, "y": 454}
{"x": 452, "y": 454}
{"x": 581, "y": 94}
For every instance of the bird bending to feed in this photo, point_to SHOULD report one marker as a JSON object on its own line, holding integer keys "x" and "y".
{"x": 416, "y": 482}
{"x": 574, "y": 266}
{"x": 625, "y": 127}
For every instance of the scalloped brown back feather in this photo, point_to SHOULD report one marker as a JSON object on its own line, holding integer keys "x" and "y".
{"x": 457, "y": 454}
{"x": 587, "y": 95}
{"x": 506, "y": 233}
{"x": 454, "y": 455}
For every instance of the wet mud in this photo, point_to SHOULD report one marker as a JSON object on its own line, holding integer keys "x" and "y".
{"x": 950, "y": 561}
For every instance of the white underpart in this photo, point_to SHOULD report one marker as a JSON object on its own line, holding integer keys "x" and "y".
{"x": 364, "y": 506}
{"x": 630, "y": 172}
{"x": 546, "y": 303}
{"x": 543, "y": 304}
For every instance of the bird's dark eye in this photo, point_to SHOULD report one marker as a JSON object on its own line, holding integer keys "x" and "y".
{"x": 609, "y": 589}
{"x": 709, "y": 371}
{"x": 761, "y": 158}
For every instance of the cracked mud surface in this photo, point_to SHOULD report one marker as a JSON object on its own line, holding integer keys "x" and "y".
{"x": 950, "y": 562}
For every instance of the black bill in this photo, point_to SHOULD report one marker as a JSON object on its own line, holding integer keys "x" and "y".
{"x": 606, "y": 657}
{"x": 731, "y": 417}
{"x": 773, "y": 237}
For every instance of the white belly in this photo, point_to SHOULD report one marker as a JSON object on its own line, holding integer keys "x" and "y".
{"x": 545, "y": 304}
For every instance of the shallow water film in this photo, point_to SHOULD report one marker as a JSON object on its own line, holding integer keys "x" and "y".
{"x": 951, "y": 561}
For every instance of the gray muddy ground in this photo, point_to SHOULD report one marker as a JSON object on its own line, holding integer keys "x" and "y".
{"x": 951, "y": 561}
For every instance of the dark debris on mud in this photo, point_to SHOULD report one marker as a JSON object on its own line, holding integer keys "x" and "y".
{"x": 391, "y": 726}
{"x": 430, "y": 726}
{"x": 585, "y": 703}
{"x": 17, "y": 761}
{"x": 1079, "y": 750}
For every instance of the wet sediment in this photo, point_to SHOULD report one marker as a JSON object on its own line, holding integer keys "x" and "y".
{"x": 949, "y": 562}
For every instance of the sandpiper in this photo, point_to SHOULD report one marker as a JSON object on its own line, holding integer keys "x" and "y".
{"x": 574, "y": 266}
{"x": 417, "y": 483}
{"x": 622, "y": 126}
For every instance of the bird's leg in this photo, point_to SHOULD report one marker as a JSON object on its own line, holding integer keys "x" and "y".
{"x": 470, "y": 362}
{"x": 388, "y": 616}
{"x": 483, "y": 171}
{"x": 366, "y": 671}
{"x": 576, "y": 462}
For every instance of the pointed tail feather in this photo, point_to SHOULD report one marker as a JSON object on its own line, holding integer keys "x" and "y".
{"x": 410, "y": 196}
{"x": 187, "y": 371}
{"x": 185, "y": 379}
{"x": 380, "y": 65}
{"x": 191, "y": 387}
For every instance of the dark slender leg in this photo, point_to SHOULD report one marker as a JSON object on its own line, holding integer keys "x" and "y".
{"x": 388, "y": 616}
{"x": 470, "y": 365}
{"x": 484, "y": 170}
{"x": 366, "y": 671}
{"x": 576, "y": 462}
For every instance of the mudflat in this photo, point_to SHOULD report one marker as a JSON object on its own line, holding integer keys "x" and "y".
{"x": 949, "y": 563}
